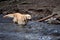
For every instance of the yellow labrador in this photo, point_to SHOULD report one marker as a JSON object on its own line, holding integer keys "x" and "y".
{"x": 19, "y": 18}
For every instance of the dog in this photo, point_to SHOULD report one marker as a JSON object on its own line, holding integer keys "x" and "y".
{"x": 19, "y": 18}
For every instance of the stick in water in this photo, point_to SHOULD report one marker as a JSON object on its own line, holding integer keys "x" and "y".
{"x": 47, "y": 17}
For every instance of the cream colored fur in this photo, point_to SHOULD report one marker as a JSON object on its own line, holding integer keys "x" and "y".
{"x": 19, "y": 18}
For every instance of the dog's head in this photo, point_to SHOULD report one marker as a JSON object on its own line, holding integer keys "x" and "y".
{"x": 28, "y": 16}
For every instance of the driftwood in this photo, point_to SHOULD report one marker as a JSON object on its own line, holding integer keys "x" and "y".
{"x": 45, "y": 18}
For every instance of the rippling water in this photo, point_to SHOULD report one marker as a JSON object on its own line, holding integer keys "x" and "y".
{"x": 32, "y": 31}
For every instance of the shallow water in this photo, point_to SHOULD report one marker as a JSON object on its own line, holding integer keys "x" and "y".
{"x": 32, "y": 31}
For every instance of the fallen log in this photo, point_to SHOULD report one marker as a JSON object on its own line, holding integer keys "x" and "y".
{"x": 45, "y": 18}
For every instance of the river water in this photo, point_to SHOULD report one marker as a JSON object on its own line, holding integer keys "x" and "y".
{"x": 31, "y": 31}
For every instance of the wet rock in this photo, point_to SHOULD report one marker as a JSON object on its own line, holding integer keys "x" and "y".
{"x": 52, "y": 20}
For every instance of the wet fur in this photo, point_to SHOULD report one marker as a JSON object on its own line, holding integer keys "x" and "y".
{"x": 19, "y": 18}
